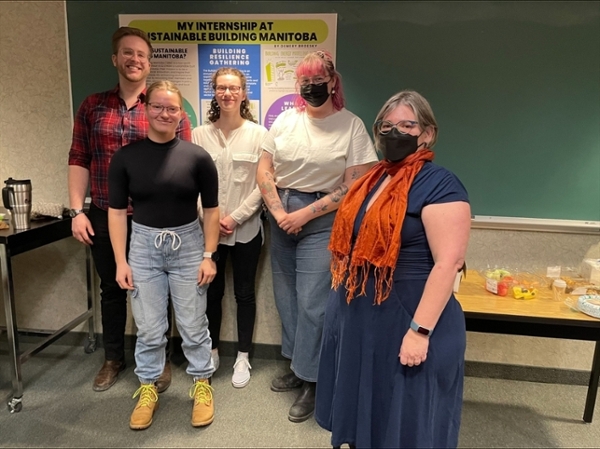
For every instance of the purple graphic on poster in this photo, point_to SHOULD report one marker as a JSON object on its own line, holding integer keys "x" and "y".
{"x": 278, "y": 106}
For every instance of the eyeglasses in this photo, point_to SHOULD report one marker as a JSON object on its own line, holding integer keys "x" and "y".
{"x": 130, "y": 53}
{"x": 157, "y": 109}
{"x": 318, "y": 80}
{"x": 404, "y": 126}
{"x": 233, "y": 89}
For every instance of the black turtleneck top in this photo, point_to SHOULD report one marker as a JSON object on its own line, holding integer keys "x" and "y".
{"x": 163, "y": 181}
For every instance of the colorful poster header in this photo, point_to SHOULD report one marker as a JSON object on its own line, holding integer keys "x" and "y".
{"x": 234, "y": 31}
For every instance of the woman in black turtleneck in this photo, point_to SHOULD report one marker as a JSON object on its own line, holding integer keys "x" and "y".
{"x": 170, "y": 252}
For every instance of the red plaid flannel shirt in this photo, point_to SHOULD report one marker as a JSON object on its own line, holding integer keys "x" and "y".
{"x": 102, "y": 126}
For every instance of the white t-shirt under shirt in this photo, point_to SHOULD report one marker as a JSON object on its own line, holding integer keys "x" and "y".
{"x": 311, "y": 155}
{"x": 236, "y": 159}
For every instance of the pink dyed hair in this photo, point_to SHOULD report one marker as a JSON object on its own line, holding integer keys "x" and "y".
{"x": 316, "y": 63}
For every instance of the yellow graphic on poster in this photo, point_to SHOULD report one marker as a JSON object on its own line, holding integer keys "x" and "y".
{"x": 280, "y": 66}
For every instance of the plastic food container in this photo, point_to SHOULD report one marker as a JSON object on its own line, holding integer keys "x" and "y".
{"x": 519, "y": 284}
{"x": 575, "y": 282}
{"x": 498, "y": 281}
{"x": 530, "y": 280}
{"x": 527, "y": 285}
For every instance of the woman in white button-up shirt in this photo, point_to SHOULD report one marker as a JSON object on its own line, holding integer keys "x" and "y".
{"x": 235, "y": 143}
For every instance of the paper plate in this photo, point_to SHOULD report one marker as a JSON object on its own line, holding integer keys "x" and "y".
{"x": 590, "y": 305}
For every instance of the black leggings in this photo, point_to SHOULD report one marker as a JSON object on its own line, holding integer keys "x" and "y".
{"x": 244, "y": 258}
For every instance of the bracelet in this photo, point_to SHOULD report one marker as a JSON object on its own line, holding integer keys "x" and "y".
{"x": 420, "y": 329}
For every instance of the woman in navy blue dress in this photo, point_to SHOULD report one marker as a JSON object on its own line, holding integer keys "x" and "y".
{"x": 391, "y": 368}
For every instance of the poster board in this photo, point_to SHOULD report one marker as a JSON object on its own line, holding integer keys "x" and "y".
{"x": 266, "y": 48}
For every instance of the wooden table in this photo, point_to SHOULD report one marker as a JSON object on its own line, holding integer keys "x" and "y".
{"x": 12, "y": 243}
{"x": 539, "y": 317}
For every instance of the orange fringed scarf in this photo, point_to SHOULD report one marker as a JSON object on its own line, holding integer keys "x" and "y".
{"x": 378, "y": 240}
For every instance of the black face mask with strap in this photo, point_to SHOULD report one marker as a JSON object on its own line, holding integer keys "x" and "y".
{"x": 315, "y": 94}
{"x": 397, "y": 146}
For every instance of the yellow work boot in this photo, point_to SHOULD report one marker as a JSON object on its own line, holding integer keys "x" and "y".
{"x": 203, "y": 412}
{"x": 141, "y": 418}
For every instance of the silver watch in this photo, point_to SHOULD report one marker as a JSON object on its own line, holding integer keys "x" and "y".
{"x": 74, "y": 212}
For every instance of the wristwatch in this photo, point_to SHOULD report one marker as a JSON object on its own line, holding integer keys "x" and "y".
{"x": 74, "y": 212}
{"x": 214, "y": 256}
{"x": 420, "y": 329}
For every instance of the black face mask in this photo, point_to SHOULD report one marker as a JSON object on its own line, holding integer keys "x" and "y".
{"x": 314, "y": 94}
{"x": 397, "y": 146}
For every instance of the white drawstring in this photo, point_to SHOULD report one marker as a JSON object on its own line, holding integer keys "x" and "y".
{"x": 158, "y": 241}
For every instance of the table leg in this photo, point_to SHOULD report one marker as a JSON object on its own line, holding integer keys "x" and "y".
{"x": 8, "y": 295}
{"x": 590, "y": 400}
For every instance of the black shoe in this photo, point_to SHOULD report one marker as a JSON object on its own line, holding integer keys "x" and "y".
{"x": 286, "y": 382}
{"x": 304, "y": 406}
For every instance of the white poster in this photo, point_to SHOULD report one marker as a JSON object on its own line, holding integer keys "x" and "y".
{"x": 266, "y": 48}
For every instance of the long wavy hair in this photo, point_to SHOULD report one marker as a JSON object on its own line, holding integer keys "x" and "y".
{"x": 215, "y": 111}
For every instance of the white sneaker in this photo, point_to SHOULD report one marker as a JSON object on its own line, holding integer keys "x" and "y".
{"x": 214, "y": 357}
{"x": 241, "y": 371}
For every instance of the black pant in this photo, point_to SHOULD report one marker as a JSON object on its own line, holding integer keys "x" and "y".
{"x": 244, "y": 258}
{"x": 113, "y": 303}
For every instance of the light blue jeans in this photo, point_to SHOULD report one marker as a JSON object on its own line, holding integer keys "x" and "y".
{"x": 163, "y": 261}
{"x": 301, "y": 283}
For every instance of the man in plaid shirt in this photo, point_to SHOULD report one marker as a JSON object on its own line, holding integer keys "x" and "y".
{"x": 104, "y": 123}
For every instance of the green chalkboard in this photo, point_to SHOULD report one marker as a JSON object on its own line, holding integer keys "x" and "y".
{"x": 515, "y": 86}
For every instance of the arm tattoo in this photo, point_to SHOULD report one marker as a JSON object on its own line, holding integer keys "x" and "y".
{"x": 321, "y": 207}
{"x": 269, "y": 157}
{"x": 338, "y": 193}
{"x": 355, "y": 174}
{"x": 268, "y": 188}
{"x": 335, "y": 196}
{"x": 270, "y": 195}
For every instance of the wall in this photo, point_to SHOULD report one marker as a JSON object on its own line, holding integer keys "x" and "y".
{"x": 50, "y": 281}
{"x": 35, "y": 129}
{"x": 503, "y": 78}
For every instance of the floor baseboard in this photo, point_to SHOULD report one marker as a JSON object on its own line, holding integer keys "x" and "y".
{"x": 526, "y": 373}
{"x": 266, "y": 351}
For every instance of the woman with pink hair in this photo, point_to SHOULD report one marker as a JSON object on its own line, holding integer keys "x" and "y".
{"x": 317, "y": 150}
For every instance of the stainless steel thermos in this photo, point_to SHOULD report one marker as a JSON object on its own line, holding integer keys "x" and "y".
{"x": 16, "y": 197}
